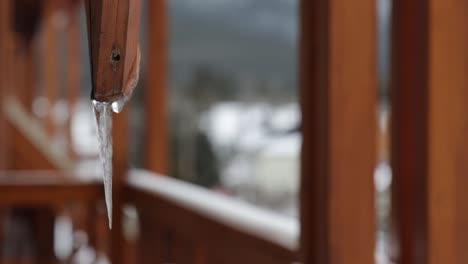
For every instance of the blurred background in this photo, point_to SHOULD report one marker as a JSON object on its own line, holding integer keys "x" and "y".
{"x": 231, "y": 118}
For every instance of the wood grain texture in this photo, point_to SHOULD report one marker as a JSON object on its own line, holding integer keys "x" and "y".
{"x": 448, "y": 130}
{"x": 155, "y": 94}
{"x": 338, "y": 98}
{"x": 113, "y": 30}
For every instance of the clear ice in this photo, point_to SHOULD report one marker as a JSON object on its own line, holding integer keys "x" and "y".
{"x": 103, "y": 113}
{"x": 118, "y": 105}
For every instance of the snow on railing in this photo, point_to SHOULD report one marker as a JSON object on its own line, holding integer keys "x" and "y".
{"x": 259, "y": 222}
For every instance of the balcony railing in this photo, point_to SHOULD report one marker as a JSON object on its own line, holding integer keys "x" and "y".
{"x": 206, "y": 225}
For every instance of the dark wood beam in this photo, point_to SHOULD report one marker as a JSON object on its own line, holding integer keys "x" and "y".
{"x": 409, "y": 106}
{"x": 338, "y": 97}
{"x": 430, "y": 125}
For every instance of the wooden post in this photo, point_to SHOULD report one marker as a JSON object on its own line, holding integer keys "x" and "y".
{"x": 155, "y": 94}
{"x": 73, "y": 68}
{"x": 338, "y": 97}
{"x": 431, "y": 121}
{"x": 50, "y": 67}
{"x": 448, "y": 130}
{"x": 410, "y": 129}
{"x": 24, "y": 79}
{"x": 5, "y": 52}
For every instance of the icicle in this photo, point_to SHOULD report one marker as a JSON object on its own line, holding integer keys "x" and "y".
{"x": 103, "y": 115}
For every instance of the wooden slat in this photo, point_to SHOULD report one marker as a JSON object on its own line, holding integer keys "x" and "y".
{"x": 430, "y": 125}
{"x": 50, "y": 62}
{"x": 232, "y": 246}
{"x": 73, "y": 68}
{"x": 448, "y": 129}
{"x": 196, "y": 217}
{"x": 34, "y": 188}
{"x": 4, "y": 76}
{"x": 30, "y": 145}
{"x": 409, "y": 128}
{"x": 338, "y": 96}
{"x": 152, "y": 245}
{"x": 155, "y": 94}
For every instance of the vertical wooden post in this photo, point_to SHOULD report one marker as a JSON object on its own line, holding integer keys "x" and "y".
{"x": 155, "y": 94}
{"x": 24, "y": 79}
{"x": 448, "y": 130}
{"x": 338, "y": 97}
{"x": 73, "y": 68}
{"x": 409, "y": 128}
{"x": 5, "y": 10}
{"x": 50, "y": 67}
{"x": 431, "y": 124}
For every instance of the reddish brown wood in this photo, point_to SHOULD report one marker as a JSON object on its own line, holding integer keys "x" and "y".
{"x": 338, "y": 96}
{"x": 430, "y": 119}
{"x": 73, "y": 68}
{"x": 26, "y": 17}
{"x": 151, "y": 246}
{"x": 50, "y": 62}
{"x": 175, "y": 224}
{"x": 113, "y": 29}
{"x": 410, "y": 128}
{"x": 4, "y": 77}
{"x": 44, "y": 188}
{"x": 448, "y": 127}
{"x": 25, "y": 154}
{"x": 43, "y": 192}
{"x": 24, "y": 79}
{"x": 155, "y": 94}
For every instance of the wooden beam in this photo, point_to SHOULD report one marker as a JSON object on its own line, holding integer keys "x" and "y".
{"x": 73, "y": 69}
{"x": 5, "y": 52}
{"x": 448, "y": 128}
{"x": 431, "y": 121}
{"x": 410, "y": 128}
{"x": 155, "y": 94}
{"x": 50, "y": 67}
{"x": 45, "y": 188}
{"x": 338, "y": 97}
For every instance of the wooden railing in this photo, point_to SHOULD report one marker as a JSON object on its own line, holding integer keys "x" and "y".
{"x": 183, "y": 223}
{"x": 37, "y": 198}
